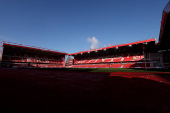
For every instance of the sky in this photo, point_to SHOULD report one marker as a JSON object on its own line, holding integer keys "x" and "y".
{"x": 76, "y": 25}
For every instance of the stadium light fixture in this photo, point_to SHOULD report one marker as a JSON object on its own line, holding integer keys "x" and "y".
{"x": 104, "y": 49}
{"x": 117, "y": 47}
{"x": 145, "y": 43}
{"x": 130, "y": 45}
{"x": 81, "y": 53}
{"x": 88, "y": 52}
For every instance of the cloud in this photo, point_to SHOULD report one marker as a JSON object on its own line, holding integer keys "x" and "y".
{"x": 94, "y": 42}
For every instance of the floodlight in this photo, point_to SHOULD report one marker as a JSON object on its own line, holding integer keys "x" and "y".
{"x": 117, "y": 47}
{"x": 130, "y": 45}
{"x": 88, "y": 52}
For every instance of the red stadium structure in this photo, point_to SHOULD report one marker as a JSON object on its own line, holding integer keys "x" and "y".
{"x": 19, "y": 56}
{"x": 141, "y": 54}
{"x": 164, "y": 36}
{"x": 131, "y": 55}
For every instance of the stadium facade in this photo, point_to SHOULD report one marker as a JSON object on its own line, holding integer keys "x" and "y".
{"x": 141, "y": 54}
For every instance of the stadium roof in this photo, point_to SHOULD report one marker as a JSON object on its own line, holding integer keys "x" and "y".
{"x": 164, "y": 36}
{"x": 115, "y": 46}
{"x": 30, "y": 49}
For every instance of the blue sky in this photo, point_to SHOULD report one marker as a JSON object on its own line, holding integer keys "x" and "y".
{"x": 66, "y": 25}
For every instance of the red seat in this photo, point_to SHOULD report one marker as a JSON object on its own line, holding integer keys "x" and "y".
{"x": 116, "y": 66}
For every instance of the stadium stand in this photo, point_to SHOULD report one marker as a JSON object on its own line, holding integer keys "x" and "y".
{"x": 19, "y": 56}
{"x": 164, "y": 36}
{"x": 113, "y": 58}
{"x": 120, "y": 56}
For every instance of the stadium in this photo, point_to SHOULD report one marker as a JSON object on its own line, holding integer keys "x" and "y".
{"x": 132, "y": 77}
{"x": 141, "y": 54}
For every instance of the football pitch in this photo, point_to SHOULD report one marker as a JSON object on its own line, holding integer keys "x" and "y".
{"x": 84, "y": 90}
{"x": 108, "y": 69}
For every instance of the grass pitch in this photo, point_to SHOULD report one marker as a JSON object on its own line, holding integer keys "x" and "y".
{"x": 75, "y": 91}
{"x": 107, "y": 69}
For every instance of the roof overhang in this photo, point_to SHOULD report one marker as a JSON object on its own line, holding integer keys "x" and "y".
{"x": 115, "y": 46}
{"x": 38, "y": 49}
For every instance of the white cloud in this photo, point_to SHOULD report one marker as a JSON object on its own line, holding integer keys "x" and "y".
{"x": 94, "y": 42}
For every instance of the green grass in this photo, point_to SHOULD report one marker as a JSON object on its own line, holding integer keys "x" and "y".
{"x": 106, "y": 69}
